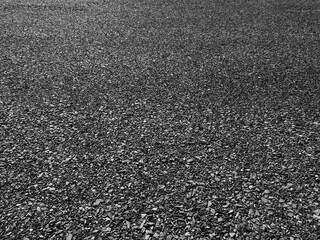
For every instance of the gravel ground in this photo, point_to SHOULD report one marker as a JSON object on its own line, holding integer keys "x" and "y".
{"x": 159, "y": 119}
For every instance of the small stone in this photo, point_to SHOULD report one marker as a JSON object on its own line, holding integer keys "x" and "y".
{"x": 220, "y": 219}
{"x": 189, "y": 160}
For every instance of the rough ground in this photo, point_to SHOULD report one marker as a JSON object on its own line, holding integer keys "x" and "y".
{"x": 158, "y": 119}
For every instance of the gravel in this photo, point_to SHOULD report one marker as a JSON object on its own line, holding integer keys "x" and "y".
{"x": 159, "y": 119}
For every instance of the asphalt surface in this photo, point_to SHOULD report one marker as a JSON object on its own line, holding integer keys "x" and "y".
{"x": 159, "y": 119}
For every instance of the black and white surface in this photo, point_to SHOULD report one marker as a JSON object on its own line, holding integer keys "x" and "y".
{"x": 159, "y": 119}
